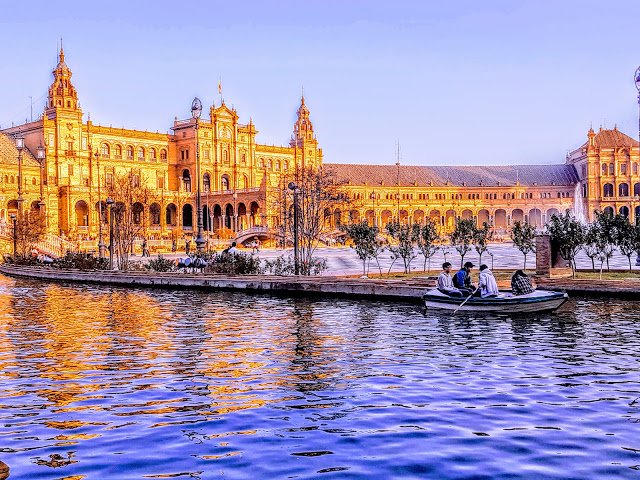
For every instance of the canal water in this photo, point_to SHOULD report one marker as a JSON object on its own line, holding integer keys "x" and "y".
{"x": 113, "y": 383}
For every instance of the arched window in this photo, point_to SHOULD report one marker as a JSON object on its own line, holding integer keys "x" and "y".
{"x": 129, "y": 152}
{"x": 224, "y": 182}
{"x": 118, "y": 152}
{"x": 636, "y": 189}
{"x": 261, "y": 162}
{"x": 285, "y": 166}
{"x": 140, "y": 153}
{"x": 270, "y": 164}
{"x": 186, "y": 179}
{"x": 623, "y": 168}
{"x": 612, "y": 170}
{"x": 607, "y": 190}
{"x": 604, "y": 169}
{"x": 635, "y": 168}
{"x": 152, "y": 154}
{"x": 206, "y": 182}
{"x": 105, "y": 150}
{"x": 244, "y": 159}
{"x": 225, "y": 156}
{"x": 623, "y": 190}
{"x": 163, "y": 154}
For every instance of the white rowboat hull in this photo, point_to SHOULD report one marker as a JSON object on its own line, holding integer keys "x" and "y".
{"x": 538, "y": 301}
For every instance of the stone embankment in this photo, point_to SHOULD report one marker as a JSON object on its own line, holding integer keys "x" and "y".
{"x": 322, "y": 286}
{"x": 628, "y": 288}
{"x": 403, "y": 290}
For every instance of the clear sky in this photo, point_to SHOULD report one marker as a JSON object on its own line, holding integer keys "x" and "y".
{"x": 458, "y": 82}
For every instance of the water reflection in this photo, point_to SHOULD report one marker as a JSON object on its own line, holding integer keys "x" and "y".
{"x": 263, "y": 387}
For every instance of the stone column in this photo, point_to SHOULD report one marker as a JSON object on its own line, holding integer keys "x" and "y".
{"x": 543, "y": 255}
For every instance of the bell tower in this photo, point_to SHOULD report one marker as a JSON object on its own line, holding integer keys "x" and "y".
{"x": 304, "y": 140}
{"x": 63, "y": 97}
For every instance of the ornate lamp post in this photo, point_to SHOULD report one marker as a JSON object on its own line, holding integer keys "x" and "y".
{"x": 196, "y": 111}
{"x": 15, "y": 233}
{"x": 41, "y": 154}
{"x": 293, "y": 187}
{"x": 101, "y": 245}
{"x": 637, "y": 82}
{"x": 110, "y": 203}
{"x": 20, "y": 146}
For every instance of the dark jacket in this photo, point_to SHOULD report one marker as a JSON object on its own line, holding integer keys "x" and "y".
{"x": 462, "y": 279}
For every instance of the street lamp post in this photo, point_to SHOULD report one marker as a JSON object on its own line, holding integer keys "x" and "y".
{"x": 110, "y": 203}
{"x": 41, "y": 154}
{"x": 373, "y": 207}
{"x": 101, "y": 245}
{"x": 637, "y": 82}
{"x": 20, "y": 146}
{"x": 293, "y": 187}
{"x": 235, "y": 212}
{"x": 196, "y": 111}
{"x": 15, "y": 234}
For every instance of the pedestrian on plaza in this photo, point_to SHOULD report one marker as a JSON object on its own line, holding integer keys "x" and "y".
{"x": 445, "y": 284}
{"x": 145, "y": 248}
{"x": 187, "y": 246}
{"x": 462, "y": 279}
{"x": 520, "y": 283}
{"x": 487, "y": 282}
{"x": 174, "y": 245}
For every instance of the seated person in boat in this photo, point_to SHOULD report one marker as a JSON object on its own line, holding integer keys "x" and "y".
{"x": 445, "y": 284}
{"x": 487, "y": 283}
{"x": 520, "y": 283}
{"x": 462, "y": 279}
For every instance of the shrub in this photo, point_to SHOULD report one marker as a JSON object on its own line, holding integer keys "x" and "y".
{"x": 161, "y": 264}
{"x": 285, "y": 265}
{"x": 81, "y": 261}
{"x": 233, "y": 264}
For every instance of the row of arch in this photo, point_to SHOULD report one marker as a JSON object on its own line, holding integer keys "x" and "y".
{"x": 225, "y": 182}
{"x": 106, "y": 149}
{"x": 623, "y": 190}
{"x": 499, "y": 218}
{"x": 214, "y": 217}
{"x": 611, "y": 170}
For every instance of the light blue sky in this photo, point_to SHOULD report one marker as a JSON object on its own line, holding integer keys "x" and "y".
{"x": 460, "y": 82}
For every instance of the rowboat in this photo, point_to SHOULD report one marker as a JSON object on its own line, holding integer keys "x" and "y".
{"x": 505, "y": 302}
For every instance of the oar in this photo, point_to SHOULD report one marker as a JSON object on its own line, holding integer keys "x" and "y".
{"x": 465, "y": 300}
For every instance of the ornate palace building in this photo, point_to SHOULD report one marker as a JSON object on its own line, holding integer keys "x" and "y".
{"x": 66, "y": 165}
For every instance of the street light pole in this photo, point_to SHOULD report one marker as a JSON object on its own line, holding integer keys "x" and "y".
{"x": 196, "y": 111}
{"x": 637, "y": 82}
{"x": 20, "y": 146}
{"x": 110, "y": 203}
{"x": 15, "y": 234}
{"x": 41, "y": 155}
{"x": 296, "y": 260}
{"x": 101, "y": 245}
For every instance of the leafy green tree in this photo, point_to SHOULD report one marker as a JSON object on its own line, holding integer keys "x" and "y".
{"x": 462, "y": 237}
{"x": 364, "y": 241}
{"x": 427, "y": 242}
{"x": 406, "y": 236}
{"x": 567, "y": 234}
{"x": 524, "y": 238}
{"x": 590, "y": 246}
{"x": 481, "y": 239}
{"x": 605, "y": 229}
{"x": 628, "y": 237}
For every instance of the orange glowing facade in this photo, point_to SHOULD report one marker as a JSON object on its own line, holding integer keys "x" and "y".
{"x": 237, "y": 173}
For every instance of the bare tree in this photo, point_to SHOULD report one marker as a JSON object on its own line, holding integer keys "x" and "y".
{"x": 319, "y": 192}
{"x": 132, "y": 198}
{"x": 30, "y": 229}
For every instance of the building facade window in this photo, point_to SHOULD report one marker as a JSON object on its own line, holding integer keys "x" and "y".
{"x": 105, "y": 150}
{"x": 623, "y": 190}
{"x": 607, "y": 190}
